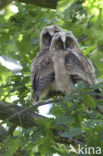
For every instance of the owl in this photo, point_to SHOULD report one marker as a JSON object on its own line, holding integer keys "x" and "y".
{"x": 42, "y": 72}
{"x": 70, "y": 65}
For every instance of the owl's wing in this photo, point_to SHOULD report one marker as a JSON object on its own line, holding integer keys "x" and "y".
{"x": 82, "y": 70}
{"x": 77, "y": 70}
{"x": 42, "y": 72}
{"x": 87, "y": 64}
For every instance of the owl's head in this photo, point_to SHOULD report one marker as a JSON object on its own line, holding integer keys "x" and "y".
{"x": 47, "y": 35}
{"x": 64, "y": 41}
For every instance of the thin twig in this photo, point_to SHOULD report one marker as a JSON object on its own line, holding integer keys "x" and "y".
{"x": 83, "y": 38}
{"x": 37, "y": 104}
{"x": 23, "y": 141}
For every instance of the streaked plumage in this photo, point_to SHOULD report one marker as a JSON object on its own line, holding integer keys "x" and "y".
{"x": 42, "y": 72}
{"x": 70, "y": 65}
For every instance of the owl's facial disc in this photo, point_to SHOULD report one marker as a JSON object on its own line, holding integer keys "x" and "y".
{"x": 48, "y": 35}
{"x": 64, "y": 45}
{"x": 47, "y": 38}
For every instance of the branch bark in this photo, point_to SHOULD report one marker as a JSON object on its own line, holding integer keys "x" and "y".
{"x": 4, "y": 3}
{"x": 42, "y": 3}
{"x": 3, "y": 133}
{"x": 7, "y": 109}
{"x": 13, "y": 112}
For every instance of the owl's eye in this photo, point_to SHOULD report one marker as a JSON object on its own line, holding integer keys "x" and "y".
{"x": 47, "y": 36}
{"x": 59, "y": 43}
{"x": 47, "y": 39}
{"x": 56, "y": 31}
{"x": 69, "y": 43}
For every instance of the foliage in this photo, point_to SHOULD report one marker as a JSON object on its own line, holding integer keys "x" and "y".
{"x": 19, "y": 43}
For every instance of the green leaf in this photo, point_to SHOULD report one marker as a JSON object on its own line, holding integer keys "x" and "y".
{"x": 71, "y": 133}
{"x": 64, "y": 119}
{"x": 89, "y": 101}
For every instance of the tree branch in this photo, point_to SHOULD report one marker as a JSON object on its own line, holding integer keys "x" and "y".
{"x": 42, "y": 3}
{"x": 28, "y": 118}
{"x": 4, "y": 3}
{"x": 11, "y": 111}
{"x": 83, "y": 38}
{"x": 3, "y": 133}
{"x": 22, "y": 110}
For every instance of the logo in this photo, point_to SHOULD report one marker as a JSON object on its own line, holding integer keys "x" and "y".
{"x": 85, "y": 150}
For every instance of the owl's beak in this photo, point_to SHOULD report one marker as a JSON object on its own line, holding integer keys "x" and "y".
{"x": 51, "y": 33}
{"x": 64, "y": 46}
